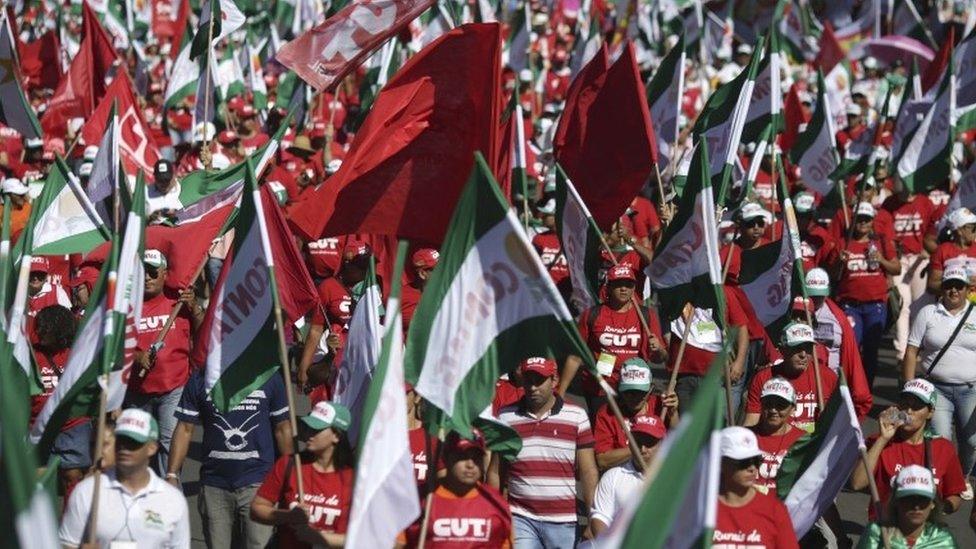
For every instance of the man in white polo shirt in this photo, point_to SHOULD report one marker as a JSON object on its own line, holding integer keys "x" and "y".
{"x": 136, "y": 508}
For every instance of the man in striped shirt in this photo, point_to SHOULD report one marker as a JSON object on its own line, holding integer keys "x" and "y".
{"x": 557, "y": 448}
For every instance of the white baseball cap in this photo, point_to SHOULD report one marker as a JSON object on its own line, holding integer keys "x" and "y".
{"x": 955, "y": 272}
{"x": 853, "y": 110}
{"x": 805, "y": 202}
{"x": 795, "y": 334}
{"x": 208, "y": 127}
{"x": 914, "y": 480}
{"x": 921, "y": 388}
{"x": 744, "y": 49}
{"x": 154, "y": 258}
{"x": 85, "y": 169}
{"x": 870, "y": 62}
{"x": 779, "y": 387}
{"x": 137, "y": 424}
{"x": 751, "y": 210}
{"x": 817, "y": 282}
{"x": 333, "y": 166}
{"x": 739, "y": 443}
{"x": 865, "y": 208}
{"x": 960, "y": 217}
{"x": 548, "y": 208}
{"x": 34, "y": 143}
{"x": 635, "y": 375}
{"x": 525, "y": 75}
{"x": 12, "y": 185}
{"x": 91, "y": 151}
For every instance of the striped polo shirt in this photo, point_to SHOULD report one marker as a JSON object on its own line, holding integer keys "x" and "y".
{"x": 542, "y": 478}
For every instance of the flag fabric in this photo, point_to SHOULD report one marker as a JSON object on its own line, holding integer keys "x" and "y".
{"x": 361, "y": 353}
{"x": 40, "y": 60}
{"x": 15, "y": 111}
{"x": 862, "y": 27}
{"x": 964, "y": 69}
{"x": 678, "y": 508}
{"x": 664, "y": 92}
{"x": 795, "y": 118}
{"x": 183, "y": 79}
{"x": 817, "y": 466}
{"x": 226, "y": 17}
{"x": 385, "y": 500}
{"x": 489, "y": 304}
{"x": 66, "y": 221}
{"x": 237, "y": 342}
{"x": 442, "y": 102}
{"x": 925, "y": 161}
{"x": 815, "y": 150}
{"x": 326, "y": 53}
{"x": 934, "y": 72}
{"x": 516, "y": 51}
{"x": 255, "y": 79}
{"x": 686, "y": 266}
{"x": 831, "y": 53}
{"x": 104, "y": 181}
{"x": 767, "y": 95}
{"x": 604, "y": 139}
{"x": 580, "y": 240}
{"x": 965, "y": 193}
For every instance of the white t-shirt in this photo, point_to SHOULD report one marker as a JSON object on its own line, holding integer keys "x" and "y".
{"x": 705, "y": 333}
{"x": 931, "y": 330}
{"x": 154, "y": 517}
{"x": 829, "y": 332}
{"x": 156, "y": 200}
{"x": 615, "y": 489}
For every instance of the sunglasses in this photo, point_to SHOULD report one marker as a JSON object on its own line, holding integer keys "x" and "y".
{"x": 152, "y": 272}
{"x": 754, "y": 223}
{"x": 915, "y": 502}
{"x": 912, "y": 404}
{"x": 954, "y": 285}
{"x": 740, "y": 464}
{"x": 775, "y": 403}
{"x": 863, "y": 219}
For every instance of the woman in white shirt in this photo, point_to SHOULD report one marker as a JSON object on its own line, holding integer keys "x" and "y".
{"x": 952, "y": 368}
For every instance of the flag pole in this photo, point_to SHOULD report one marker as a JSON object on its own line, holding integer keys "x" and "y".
{"x": 205, "y": 154}
{"x": 97, "y": 459}
{"x": 681, "y": 349}
{"x": 429, "y": 503}
{"x": 660, "y": 190}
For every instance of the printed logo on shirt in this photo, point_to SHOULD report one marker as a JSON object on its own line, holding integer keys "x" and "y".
{"x": 908, "y": 224}
{"x": 153, "y": 520}
{"x": 323, "y": 510}
{"x": 738, "y": 540}
{"x": 462, "y": 529}
{"x": 152, "y": 323}
{"x": 613, "y": 337}
{"x": 323, "y": 244}
{"x": 420, "y": 465}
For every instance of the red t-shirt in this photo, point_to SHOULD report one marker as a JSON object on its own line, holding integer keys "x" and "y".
{"x": 884, "y": 225}
{"x": 734, "y": 263}
{"x": 338, "y": 306}
{"x": 940, "y": 203}
{"x": 548, "y": 247}
{"x": 805, "y": 386}
{"x": 858, "y": 282}
{"x": 324, "y": 256}
{"x": 506, "y": 394}
{"x": 172, "y": 367}
{"x": 774, "y": 448}
{"x": 949, "y": 253}
{"x": 763, "y": 522}
{"x": 911, "y": 221}
{"x": 423, "y": 448}
{"x": 607, "y": 431}
{"x": 328, "y": 496}
{"x": 815, "y": 246}
{"x": 697, "y": 361}
{"x": 479, "y": 519}
{"x": 618, "y": 333}
{"x": 409, "y": 299}
{"x": 645, "y": 219}
{"x": 50, "y": 366}
{"x": 944, "y": 461}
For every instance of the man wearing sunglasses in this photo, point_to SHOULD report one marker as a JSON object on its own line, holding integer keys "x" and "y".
{"x": 902, "y": 441}
{"x": 745, "y": 513}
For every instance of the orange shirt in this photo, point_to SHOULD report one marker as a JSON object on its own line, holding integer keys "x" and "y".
{"x": 18, "y": 220}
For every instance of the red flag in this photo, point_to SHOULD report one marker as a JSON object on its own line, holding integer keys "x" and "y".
{"x": 793, "y": 115}
{"x": 503, "y": 167}
{"x": 831, "y": 52}
{"x": 604, "y": 140}
{"x": 335, "y": 47}
{"x": 296, "y": 289}
{"x": 411, "y": 157}
{"x": 136, "y": 145}
{"x": 179, "y": 29}
{"x": 39, "y": 61}
{"x": 84, "y": 84}
{"x": 933, "y": 74}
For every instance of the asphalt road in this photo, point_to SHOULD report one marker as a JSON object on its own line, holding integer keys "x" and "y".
{"x": 852, "y": 505}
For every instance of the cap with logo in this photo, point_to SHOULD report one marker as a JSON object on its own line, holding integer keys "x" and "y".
{"x": 955, "y": 272}
{"x": 333, "y": 166}
{"x": 805, "y": 202}
{"x": 960, "y": 217}
{"x": 91, "y": 151}
{"x": 163, "y": 167}
{"x": 635, "y": 375}
{"x": 796, "y": 334}
{"x": 817, "y": 282}
{"x": 456, "y": 444}
{"x": 621, "y": 272}
{"x": 426, "y": 257}
{"x": 12, "y": 185}
{"x": 853, "y": 110}
{"x": 85, "y": 169}
{"x": 355, "y": 249}
{"x": 40, "y": 265}
{"x": 154, "y": 258}
{"x": 779, "y": 387}
{"x": 137, "y": 425}
{"x": 751, "y": 210}
{"x": 920, "y": 388}
{"x": 543, "y": 366}
{"x": 34, "y": 143}
{"x": 914, "y": 480}
{"x": 327, "y": 414}
{"x": 739, "y": 443}
{"x": 865, "y": 209}
{"x": 548, "y": 207}
{"x": 648, "y": 424}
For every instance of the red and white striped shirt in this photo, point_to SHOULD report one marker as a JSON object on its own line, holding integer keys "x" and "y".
{"x": 542, "y": 479}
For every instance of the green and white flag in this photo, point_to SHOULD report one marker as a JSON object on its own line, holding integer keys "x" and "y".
{"x": 815, "y": 150}
{"x": 767, "y": 94}
{"x": 579, "y": 237}
{"x": 686, "y": 266}
{"x": 749, "y": 182}
{"x": 385, "y": 499}
{"x": 226, "y": 17}
{"x": 489, "y": 304}
{"x": 228, "y": 75}
{"x": 587, "y": 41}
{"x": 183, "y": 79}
{"x": 720, "y": 124}
{"x": 925, "y": 160}
{"x": 796, "y": 26}
{"x": 66, "y": 222}
{"x": 664, "y": 93}
{"x": 255, "y": 79}
{"x": 15, "y": 111}
{"x": 964, "y": 69}
{"x": 680, "y": 505}
{"x": 817, "y": 466}
{"x": 515, "y": 54}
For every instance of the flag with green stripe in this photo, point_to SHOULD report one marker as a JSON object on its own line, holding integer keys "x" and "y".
{"x": 580, "y": 240}
{"x": 664, "y": 93}
{"x": 815, "y": 150}
{"x": 15, "y": 111}
{"x": 925, "y": 162}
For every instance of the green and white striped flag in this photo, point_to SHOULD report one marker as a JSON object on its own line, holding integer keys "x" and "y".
{"x": 183, "y": 78}
{"x": 815, "y": 150}
{"x": 515, "y": 54}
{"x": 679, "y": 506}
{"x": 587, "y": 40}
{"x": 255, "y": 79}
{"x": 767, "y": 94}
{"x": 229, "y": 75}
{"x": 489, "y": 304}
{"x": 664, "y": 93}
{"x": 226, "y": 17}
{"x": 817, "y": 466}
{"x": 686, "y": 266}
{"x": 579, "y": 237}
{"x": 385, "y": 499}
{"x": 15, "y": 111}
{"x": 720, "y": 124}
{"x": 66, "y": 220}
{"x": 926, "y": 158}
{"x": 964, "y": 68}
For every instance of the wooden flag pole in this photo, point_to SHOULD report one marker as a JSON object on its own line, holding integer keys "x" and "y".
{"x": 660, "y": 191}
{"x": 289, "y": 394}
{"x": 429, "y": 502}
{"x": 206, "y": 155}
{"x": 681, "y": 349}
{"x": 97, "y": 459}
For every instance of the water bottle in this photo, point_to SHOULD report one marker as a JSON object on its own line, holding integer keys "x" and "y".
{"x": 872, "y": 262}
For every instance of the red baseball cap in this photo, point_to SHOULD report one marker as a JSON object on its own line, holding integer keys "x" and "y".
{"x": 455, "y": 443}
{"x": 318, "y": 130}
{"x": 235, "y": 103}
{"x": 543, "y": 366}
{"x": 248, "y": 111}
{"x": 40, "y": 265}
{"x": 649, "y": 425}
{"x": 621, "y": 272}
{"x": 356, "y": 248}
{"x": 426, "y": 257}
{"x": 801, "y": 304}
{"x": 227, "y": 137}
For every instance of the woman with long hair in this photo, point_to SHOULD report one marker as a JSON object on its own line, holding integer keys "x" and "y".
{"x": 912, "y": 518}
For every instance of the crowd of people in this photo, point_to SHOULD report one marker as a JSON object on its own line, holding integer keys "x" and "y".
{"x": 881, "y": 259}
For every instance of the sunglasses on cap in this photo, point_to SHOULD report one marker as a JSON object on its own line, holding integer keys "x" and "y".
{"x": 757, "y": 222}
{"x": 775, "y": 402}
{"x": 863, "y": 219}
{"x": 954, "y": 285}
{"x": 740, "y": 464}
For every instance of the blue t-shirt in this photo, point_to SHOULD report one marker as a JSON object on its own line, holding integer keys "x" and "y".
{"x": 239, "y": 446}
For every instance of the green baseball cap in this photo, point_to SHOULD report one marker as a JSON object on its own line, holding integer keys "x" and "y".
{"x": 914, "y": 480}
{"x": 137, "y": 425}
{"x": 327, "y": 414}
{"x": 635, "y": 375}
